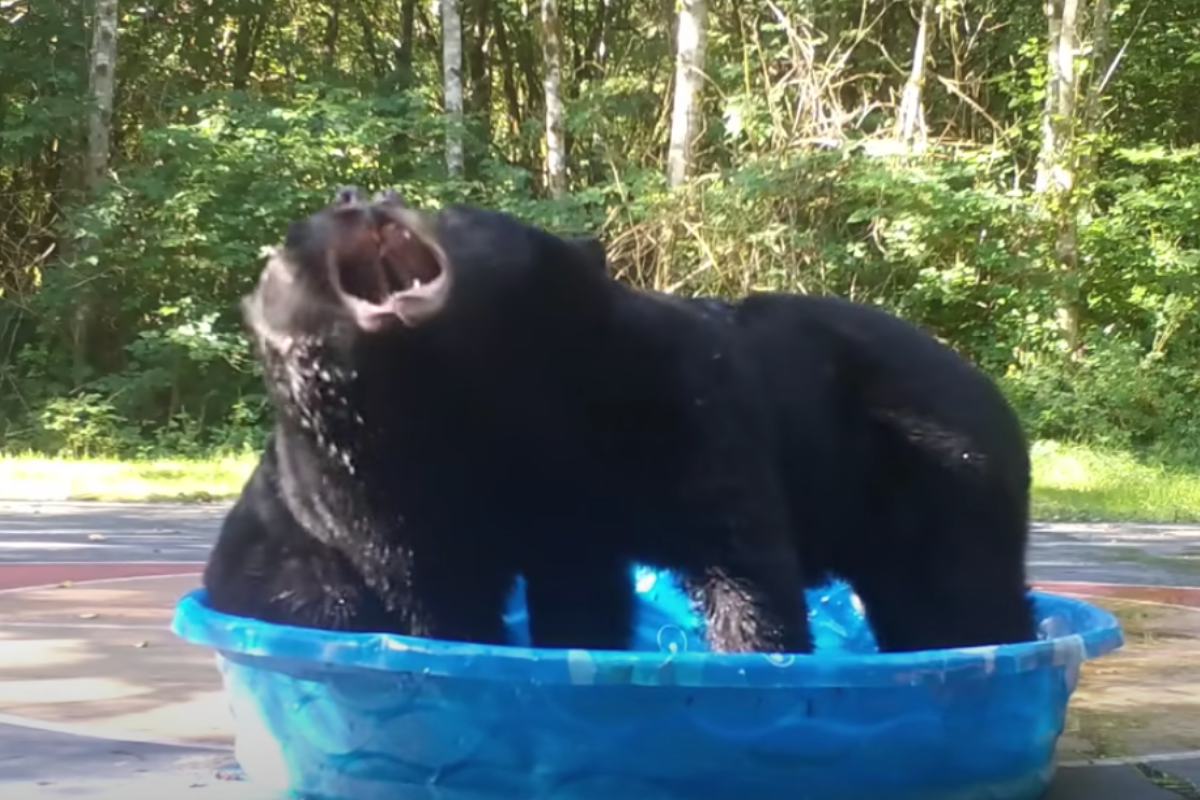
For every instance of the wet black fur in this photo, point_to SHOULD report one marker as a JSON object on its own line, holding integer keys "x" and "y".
{"x": 550, "y": 422}
{"x": 905, "y": 469}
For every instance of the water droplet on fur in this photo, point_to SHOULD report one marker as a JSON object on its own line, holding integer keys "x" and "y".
{"x": 646, "y": 580}
{"x": 672, "y": 639}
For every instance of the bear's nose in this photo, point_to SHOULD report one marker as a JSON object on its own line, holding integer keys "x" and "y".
{"x": 347, "y": 195}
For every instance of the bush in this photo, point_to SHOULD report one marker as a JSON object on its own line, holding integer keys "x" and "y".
{"x": 164, "y": 255}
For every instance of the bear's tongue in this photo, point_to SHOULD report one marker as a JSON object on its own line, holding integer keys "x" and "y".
{"x": 408, "y": 263}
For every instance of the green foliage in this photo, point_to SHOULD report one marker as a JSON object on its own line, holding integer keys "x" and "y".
{"x": 233, "y": 120}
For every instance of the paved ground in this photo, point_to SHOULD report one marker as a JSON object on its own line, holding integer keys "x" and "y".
{"x": 86, "y": 592}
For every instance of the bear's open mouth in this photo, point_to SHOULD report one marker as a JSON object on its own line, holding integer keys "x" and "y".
{"x": 408, "y": 261}
{"x": 393, "y": 268}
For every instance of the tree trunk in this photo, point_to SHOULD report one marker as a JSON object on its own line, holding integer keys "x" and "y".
{"x": 102, "y": 83}
{"x": 512, "y": 94}
{"x": 594, "y": 52}
{"x": 333, "y": 24}
{"x": 1093, "y": 107}
{"x": 1056, "y": 172}
{"x": 556, "y": 156}
{"x": 404, "y": 53}
{"x": 593, "y": 72}
{"x": 452, "y": 84}
{"x": 910, "y": 122}
{"x": 370, "y": 40}
{"x": 527, "y": 61}
{"x": 689, "y": 77}
{"x": 479, "y": 69}
{"x": 102, "y": 86}
{"x": 253, "y": 19}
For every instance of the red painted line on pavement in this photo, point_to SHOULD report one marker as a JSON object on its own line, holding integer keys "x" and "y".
{"x": 1171, "y": 595}
{"x": 29, "y": 575}
{"x": 21, "y": 576}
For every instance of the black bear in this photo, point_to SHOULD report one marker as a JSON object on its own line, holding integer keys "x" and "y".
{"x": 462, "y": 398}
{"x": 906, "y": 470}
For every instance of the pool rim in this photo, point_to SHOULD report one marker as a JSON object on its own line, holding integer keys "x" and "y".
{"x": 244, "y": 638}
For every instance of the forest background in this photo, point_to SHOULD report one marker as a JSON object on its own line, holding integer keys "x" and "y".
{"x": 1021, "y": 180}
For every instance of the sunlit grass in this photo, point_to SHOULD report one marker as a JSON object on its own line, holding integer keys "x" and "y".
{"x": 33, "y": 477}
{"x": 1071, "y": 482}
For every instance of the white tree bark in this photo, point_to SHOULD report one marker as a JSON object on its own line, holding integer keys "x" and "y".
{"x": 556, "y": 147}
{"x": 910, "y": 123}
{"x": 689, "y": 78}
{"x": 452, "y": 83}
{"x": 1055, "y": 173}
{"x": 102, "y": 82}
{"x": 1057, "y": 163}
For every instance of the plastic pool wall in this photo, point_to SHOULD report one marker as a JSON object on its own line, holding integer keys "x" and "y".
{"x": 335, "y": 717}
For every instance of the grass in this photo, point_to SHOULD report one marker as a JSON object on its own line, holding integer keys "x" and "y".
{"x": 34, "y": 477}
{"x": 1071, "y": 482}
{"x": 1078, "y": 483}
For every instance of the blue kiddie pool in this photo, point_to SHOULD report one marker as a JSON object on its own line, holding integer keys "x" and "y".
{"x": 326, "y": 716}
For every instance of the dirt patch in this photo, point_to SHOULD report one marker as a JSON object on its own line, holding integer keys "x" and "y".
{"x": 1144, "y": 699}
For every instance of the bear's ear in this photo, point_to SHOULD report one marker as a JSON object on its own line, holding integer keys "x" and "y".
{"x": 593, "y": 251}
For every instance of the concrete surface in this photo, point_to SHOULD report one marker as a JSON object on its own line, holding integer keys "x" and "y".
{"x": 86, "y": 592}
{"x": 64, "y": 533}
{"x": 1117, "y": 782}
{"x": 102, "y": 654}
{"x": 40, "y": 756}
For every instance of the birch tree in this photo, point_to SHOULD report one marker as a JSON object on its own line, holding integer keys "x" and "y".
{"x": 556, "y": 155}
{"x": 1058, "y": 160}
{"x": 689, "y": 77}
{"x": 452, "y": 83}
{"x": 1055, "y": 175}
{"x": 910, "y": 122}
{"x": 102, "y": 83}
